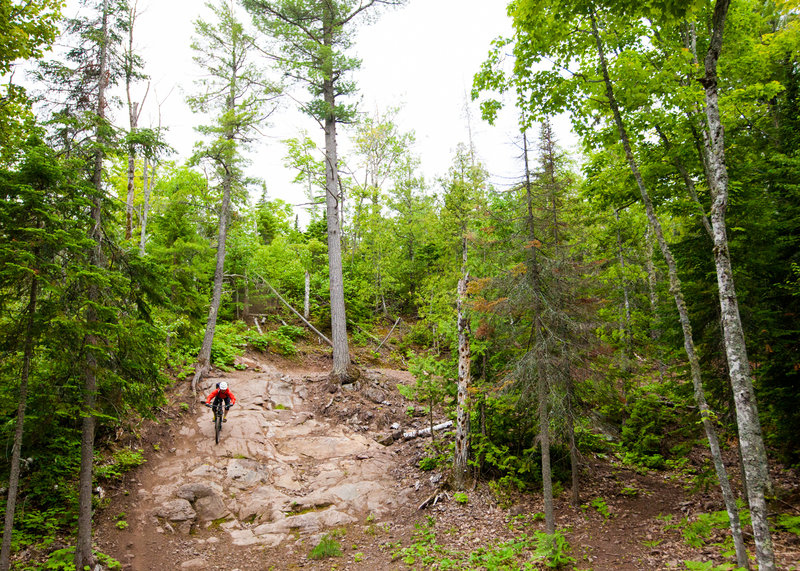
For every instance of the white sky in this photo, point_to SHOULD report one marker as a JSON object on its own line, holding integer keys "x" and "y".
{"x": 420, "y": 57}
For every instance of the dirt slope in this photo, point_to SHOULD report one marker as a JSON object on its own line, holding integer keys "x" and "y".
{"x": 296, "y": 462}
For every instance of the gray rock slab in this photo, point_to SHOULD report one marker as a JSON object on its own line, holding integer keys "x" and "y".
{"x": 320, "y": 447}
{"x": 244, "y": 537}
{"x": 306, "y": 523}
{"x": 176, "y": 510}
{"x": 244, "y": 473}
{"x": 211, "y": 508}
{"x": 195, "y": 490}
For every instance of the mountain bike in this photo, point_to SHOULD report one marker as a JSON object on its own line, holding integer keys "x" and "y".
{"x": 218, "y": 415}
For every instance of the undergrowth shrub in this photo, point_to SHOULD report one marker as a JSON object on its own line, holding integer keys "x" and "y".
{"x": 658, "y": 419}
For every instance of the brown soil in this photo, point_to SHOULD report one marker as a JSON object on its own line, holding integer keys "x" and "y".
{"x": 631, "y": 535}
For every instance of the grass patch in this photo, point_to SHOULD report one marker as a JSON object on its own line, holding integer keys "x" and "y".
{"x": 326, "y": 548}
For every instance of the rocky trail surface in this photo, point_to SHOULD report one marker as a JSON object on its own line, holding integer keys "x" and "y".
{"x": 296, "y": 463}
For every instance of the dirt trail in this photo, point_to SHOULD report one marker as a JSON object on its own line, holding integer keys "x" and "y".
{"x": 295, "y": 462}
{"x": 279, "y": 474}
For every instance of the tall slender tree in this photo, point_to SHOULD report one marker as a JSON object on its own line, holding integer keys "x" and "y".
{"x": 313, "y": 38}
{"x": 751, "y": 441}
{"x": 132, "y": 65}
{"x": 238, "y": 92}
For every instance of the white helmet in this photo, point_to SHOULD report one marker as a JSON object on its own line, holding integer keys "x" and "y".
{"x": 223, "y": 386}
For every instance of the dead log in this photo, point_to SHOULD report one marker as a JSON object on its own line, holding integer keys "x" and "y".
{"x": 303, "y": 319}
{"x": 433, "y": 499}
{"x": 389, "y": 334}
{"x": 426, "y": 431}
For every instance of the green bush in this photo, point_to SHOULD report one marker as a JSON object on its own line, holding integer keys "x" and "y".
{"x": 121, "y": 461}
{"x": 657, "y": 420}
{"x": 64, "y": 560}
{"x": 229, "y": 343}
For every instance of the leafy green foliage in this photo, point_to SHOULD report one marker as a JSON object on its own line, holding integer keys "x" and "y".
{"x": 64, "y": 560}
{"x": 525, "y": 551}
{"x": 656, "y": 420}
{"x": 790, "y": 523}
{"x": 709, "y": 566}
{"x": 121, "y": 461}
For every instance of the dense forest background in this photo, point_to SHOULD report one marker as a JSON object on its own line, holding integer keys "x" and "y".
{"x": 109, "y": 245}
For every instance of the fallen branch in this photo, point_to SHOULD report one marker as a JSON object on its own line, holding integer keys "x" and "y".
{"x": 389, "y": 334}
{"x": 303, "y": 319}
{"x": 427, "y": 431}
{"x": 433, "y": 499}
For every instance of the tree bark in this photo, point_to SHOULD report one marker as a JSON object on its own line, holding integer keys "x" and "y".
{"x": 341, "y": 353}
{"x": 675, "y": 288}
{"x": 307, "y": 297}
{"x": 13, "y": 478}
{"x": 460, "y": 461}
{"x": 754, "y": 455}
{"x": 132, "y": 113}
{"x": 133, "y": 117}
{"x": 145, "y": 206}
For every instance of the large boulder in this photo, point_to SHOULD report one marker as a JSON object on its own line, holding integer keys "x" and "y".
{"x": 196, "y": 490}
{"x": 211, "y": 508}
{"x": 176, "y": 510}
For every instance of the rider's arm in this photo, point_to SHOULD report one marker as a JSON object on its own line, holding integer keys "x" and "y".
{"x": 233, "y": 398}
{"x": 211, "y": 396}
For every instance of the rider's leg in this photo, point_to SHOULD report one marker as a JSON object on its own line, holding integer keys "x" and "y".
{"x": 227, "y": 406}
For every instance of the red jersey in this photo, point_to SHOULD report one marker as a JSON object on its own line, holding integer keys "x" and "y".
{"x": 222, "y": 395}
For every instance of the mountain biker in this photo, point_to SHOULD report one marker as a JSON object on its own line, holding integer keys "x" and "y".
{"x": 223, "y": 393}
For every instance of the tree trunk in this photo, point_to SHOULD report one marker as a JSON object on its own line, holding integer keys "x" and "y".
{"x": 341, "y": 353}
{"x": 307, "y": 297}
{"x": 460, "y": 466}
{"x": 83, "y": 547}
{"x": 133, "y": 116}
{"x": 132, "y": 113}
{"x": 13, "y": 478}
{"x": 754, "y": 455}
{"x": 675, "y": 289}
{"x": 145, "y": 206}
{"x": 204, "y": 357}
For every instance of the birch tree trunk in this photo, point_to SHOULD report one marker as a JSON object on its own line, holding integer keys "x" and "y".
{"x": 132, "y": 115}
{"x": 754, "y": 455}
{"x": 83, "y": 547}
{"x": 13, "y": 478}
{"x": 460, "y": 462}
{"x": 683, "y": 313}
{"x": 145, "y": 206}
{"x": 307, "y": 297}
{"x": 133, "y": 118}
